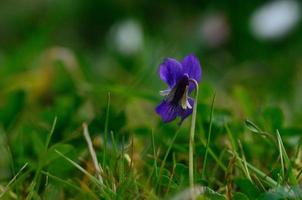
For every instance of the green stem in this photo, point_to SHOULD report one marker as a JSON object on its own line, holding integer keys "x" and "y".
{"x": 209, "y": 139}
{"x": 191, "y": 140}
{"x": 106, "y": 129}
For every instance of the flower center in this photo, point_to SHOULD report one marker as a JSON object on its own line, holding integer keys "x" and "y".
{"x": 178, "y": 95}
{"x": 180, "y": 89}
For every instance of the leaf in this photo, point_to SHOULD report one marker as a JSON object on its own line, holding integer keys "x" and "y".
{"x": 211, "y": 194}
{"x": 37, "y": 144}
{"x": 247, "y": 187}
{"x": 252, "y": 127}
{"x": 166, "y": 180}
{"x": 255, "y": 129}
{"x": 180, "y": 168}
{"x": 165, "y": 177}
{"x": 240, "y": 196}
{"x": 270, "y": 196}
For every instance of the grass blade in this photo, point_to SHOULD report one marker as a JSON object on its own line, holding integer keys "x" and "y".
{"x": 69, "y": 184}
{"x": 92, "y": 178}
{"x": 284, "y": 158}
{"x": 217, "y": 160}
{"x": 209, "y": 139}
{"x": 12, "y": 180}
{"x": 51, "y": 133}
{"x": 106, "y": 129}
{"x": 98, "y": 168}
{"x": 268, "y": 180}
{"x": 166, "y": 156}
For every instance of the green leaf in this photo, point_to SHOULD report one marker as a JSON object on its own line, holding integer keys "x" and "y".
{"x": 270, "y": 196}
{"x": 166, "y": 181}
{"x": 165, "y": 177}
{"x": 211, "y": 194}
{"x": 180, "y": 168}
{"x": 247, "y": 187}
{"x": 240, "y": 196}
{"x": 38, "y": 145}
{"x": 252, "y": 127}
{"x": 255, "y": 129}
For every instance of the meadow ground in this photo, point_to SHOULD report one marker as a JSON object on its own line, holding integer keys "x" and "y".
{"x": 77, "y": 103}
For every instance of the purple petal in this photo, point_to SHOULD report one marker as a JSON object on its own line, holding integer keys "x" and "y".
{"x": 187, "y": 112}
{"x": 170, "y": 71}
{"x": 167, "y": 111}
{"x": 192, "y": 67}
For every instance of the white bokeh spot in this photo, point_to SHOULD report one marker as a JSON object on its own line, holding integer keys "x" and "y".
{"x": 276, "y": 19}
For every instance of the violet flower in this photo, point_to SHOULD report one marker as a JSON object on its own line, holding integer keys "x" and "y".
{"x": 180, "y": 77}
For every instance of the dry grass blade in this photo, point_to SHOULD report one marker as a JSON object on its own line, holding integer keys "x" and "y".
{"x": 97, "y": 167}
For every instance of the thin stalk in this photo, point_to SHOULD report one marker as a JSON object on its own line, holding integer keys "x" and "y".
{"x": 287, "y": 162}
{"x": 209, "y": 139}
{"x": 191, "y": 140}
{"x": 214, "y": 156}
{"x": 281, "y": 156}
{"x": 36, "y": 180}
{"x": 154, "y": 155}
{"x": 84, "y": 171}
{"x": 246, "y": 171}
{"x": 106, "y": 129}
{"x": 97, "y": 167}
{"x": 51, "y": 133}
{"x": 268, "y": 180}
{"x": 165, "y": 158}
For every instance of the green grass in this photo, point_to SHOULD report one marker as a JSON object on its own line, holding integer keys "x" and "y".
{"x": 45, "y": 155}
{"x": 157, "y": 165}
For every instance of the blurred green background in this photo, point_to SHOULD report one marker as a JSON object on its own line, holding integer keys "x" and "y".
{"x": 62, "y": 58}
{"x": 109, "y": 38}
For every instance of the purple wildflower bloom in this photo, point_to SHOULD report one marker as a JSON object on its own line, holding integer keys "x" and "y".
{"x": 178, "y": 76}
